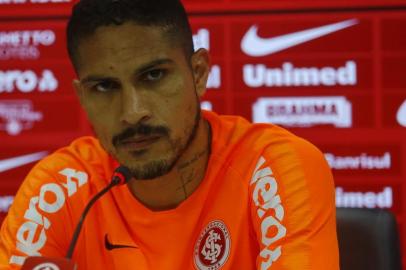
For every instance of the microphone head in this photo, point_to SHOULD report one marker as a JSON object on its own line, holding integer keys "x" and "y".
{"x": 121, "y": 175}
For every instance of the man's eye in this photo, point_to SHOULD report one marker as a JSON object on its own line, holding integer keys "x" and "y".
{"x": 105, "y": 86}
{"x": 154, "y": 75}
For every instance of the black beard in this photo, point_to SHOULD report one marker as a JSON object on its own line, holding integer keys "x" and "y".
{"x": 157, "y": 168}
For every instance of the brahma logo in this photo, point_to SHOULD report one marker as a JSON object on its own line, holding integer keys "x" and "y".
{"x": 290, "y": 76}
{"x": 9, "y": 2}
{"x": 24, "y": 44}
{"x": 304, "y": 111}
{"x": 27, "y": 81}
{"x": 32, "y": 234}
{"x": 369, "y": 199}
{"x": 17, "y": 115}
{"x": 269, "y": 210}
{"x": 213, "y": 246}
{"x": 359, "y": 162}
{"x": 401, "y": 114}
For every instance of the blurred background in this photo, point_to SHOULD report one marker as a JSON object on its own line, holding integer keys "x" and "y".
{"x": 333, "y": 72}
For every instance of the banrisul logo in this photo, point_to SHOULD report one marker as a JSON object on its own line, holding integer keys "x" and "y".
{"x": 304, "y": 111}
{"x": 213, "y": 246}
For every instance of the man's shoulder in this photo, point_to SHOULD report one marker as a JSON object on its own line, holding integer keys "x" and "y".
{"x": 242, "y": 144}
{"x": 82, "y": 149}
{"x": 83, "y": 156}
{"x": 237, "y": 132}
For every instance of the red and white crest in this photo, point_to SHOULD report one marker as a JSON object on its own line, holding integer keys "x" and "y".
{"x": 213, "y": 246}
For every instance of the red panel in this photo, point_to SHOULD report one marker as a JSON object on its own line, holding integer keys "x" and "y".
{"x": 335, "y": 78}
{"x": 35, "y": 8}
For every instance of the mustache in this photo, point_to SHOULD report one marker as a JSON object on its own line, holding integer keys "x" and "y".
{"x": 140, "y": 130}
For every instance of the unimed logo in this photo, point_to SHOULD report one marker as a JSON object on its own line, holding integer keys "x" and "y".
{"x": 288, "y": 75}
{"x": 368, "y": 199}
{"x": 304, "y": 111}
{"x": 27, "y": 81}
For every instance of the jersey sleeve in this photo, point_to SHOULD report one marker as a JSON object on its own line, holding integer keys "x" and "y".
{"x": 38, "y": 222}
{"x": 293, "y": 208}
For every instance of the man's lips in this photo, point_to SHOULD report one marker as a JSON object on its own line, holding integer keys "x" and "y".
{"x": 139, "y": 142}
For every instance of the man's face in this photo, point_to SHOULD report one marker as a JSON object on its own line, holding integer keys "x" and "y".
{"x": 141, "y": 95}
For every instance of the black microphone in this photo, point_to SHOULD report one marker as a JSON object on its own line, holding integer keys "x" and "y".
{"x": 120, "y": 176}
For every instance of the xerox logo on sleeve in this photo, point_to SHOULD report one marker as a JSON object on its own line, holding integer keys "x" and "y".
{"x": 32, "y": 234}
{"x": 270, "y": 211}
{"x": 27, "y": 81}
{"x": 304, "y": 111}
{"x": 18, "y": 115}
{"x": 24, "y": 44}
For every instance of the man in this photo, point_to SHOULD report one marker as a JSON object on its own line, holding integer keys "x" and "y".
{"x": 207, "y": 192}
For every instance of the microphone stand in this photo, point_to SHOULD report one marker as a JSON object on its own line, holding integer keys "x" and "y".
{"x": 121, "y": 176}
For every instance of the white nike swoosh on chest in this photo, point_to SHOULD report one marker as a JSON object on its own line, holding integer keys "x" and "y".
{"x": 253, "y": 45}
{"x": 15, "y": 162}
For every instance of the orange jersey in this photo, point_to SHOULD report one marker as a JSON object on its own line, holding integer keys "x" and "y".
{"x": 266, "y": 202}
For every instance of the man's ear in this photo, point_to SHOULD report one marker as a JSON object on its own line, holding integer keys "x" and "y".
{"x": 200, "y": 67}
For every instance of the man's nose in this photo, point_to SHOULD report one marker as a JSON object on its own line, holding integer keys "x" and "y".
{"x": 134, "y": 106}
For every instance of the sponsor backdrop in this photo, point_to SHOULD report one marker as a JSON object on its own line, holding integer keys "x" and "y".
{"x": 329, "y": 72}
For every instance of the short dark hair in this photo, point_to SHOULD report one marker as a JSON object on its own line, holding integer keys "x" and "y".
{"x": 88, "y": 15}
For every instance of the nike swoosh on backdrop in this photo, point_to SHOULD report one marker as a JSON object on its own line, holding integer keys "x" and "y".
{"x": 11, "y": 163}
{"x": 253, "y": 45}
{"x": 401, "y": 114}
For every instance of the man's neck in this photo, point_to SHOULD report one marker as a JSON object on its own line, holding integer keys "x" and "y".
{"x": 168, "y": 191}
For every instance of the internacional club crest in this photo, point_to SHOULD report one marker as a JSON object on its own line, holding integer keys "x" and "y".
{"x": 46, "y": 266}
{"x": 213, "y": 246}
